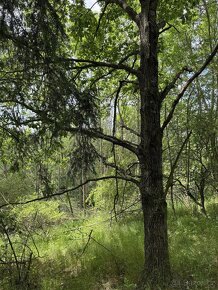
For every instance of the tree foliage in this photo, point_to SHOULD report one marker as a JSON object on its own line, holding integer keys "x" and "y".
{"x": 96, "y": 95}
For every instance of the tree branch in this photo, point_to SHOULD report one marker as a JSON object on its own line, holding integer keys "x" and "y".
{"x": 89, "y": 131}
{"x": 171, "y": 85}
{"x": 130, "y": 130}
{"x": 186, "y": 86}
{"x": 93, "y": 63}
{"x": 100, "y": 18}
{"x": 115, "y": 166}
{"x": 129, "y": 10}
{"x": 168, "y": 27}
{"x": 188, "y": 192}
{"x": 10, "y": 132}
{"x": 97, "y": 134}
{"x": 71, "y": 189}
{"x": 115, "y": 106}
{"x": 133, "y": 53}
{"x": 174, "y": 165}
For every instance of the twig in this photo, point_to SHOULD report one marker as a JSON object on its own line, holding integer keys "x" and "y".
{"x": 100, "y": 244}
{"x": 87, "y": 243}
{"x": 174, "y": 165}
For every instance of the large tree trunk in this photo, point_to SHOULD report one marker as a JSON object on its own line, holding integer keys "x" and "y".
{"x": 157, "y": 267}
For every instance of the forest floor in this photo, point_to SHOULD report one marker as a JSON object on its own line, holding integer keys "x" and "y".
{"x": 94, "y": 254}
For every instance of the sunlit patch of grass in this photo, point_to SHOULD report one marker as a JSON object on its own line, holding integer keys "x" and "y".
{"x": 111, "y": 256}
{"x": 95, "y": 254}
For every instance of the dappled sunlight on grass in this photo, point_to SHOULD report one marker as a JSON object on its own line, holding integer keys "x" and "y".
{"x": 96, "y": 254}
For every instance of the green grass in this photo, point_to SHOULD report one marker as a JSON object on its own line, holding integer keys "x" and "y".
{"x": 111, "y": 256}
{"x": 193, "y": 249}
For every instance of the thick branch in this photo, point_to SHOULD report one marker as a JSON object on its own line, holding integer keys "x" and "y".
{"x": 129, "y": 10}
{"x": 93, "y": 63}
{"x": 71, "y": 189}
{"x": 186, "y": 86}
{"x": 97, "y": 134}
{"x": 89, "y": 132}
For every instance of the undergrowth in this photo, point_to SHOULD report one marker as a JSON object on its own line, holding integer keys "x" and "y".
{"x": 96, "y": 254}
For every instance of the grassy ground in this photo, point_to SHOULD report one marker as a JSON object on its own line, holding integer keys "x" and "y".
{"x": 95, "y": 254}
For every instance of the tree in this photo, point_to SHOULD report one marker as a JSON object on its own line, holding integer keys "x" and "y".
{"x": 49, "y": 90}
{"x": 196, "y": 111}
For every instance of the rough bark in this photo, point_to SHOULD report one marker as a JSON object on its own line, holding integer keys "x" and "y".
{"x": 157, "y": 267}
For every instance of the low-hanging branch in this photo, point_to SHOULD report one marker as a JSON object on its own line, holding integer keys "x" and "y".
{"x": 59, "y": 193}
{"x": 91, "y": 132}
{"x": 92, "y": 64}
{"x": 187, "y": 85}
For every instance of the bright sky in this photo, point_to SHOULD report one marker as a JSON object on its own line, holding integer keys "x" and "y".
{"x": 89, "y": 3}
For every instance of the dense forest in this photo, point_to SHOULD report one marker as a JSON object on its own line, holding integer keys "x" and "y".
{"x": 108, "y": 144}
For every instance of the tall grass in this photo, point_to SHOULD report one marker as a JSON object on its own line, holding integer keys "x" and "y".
{"x": 94, "y": 254}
